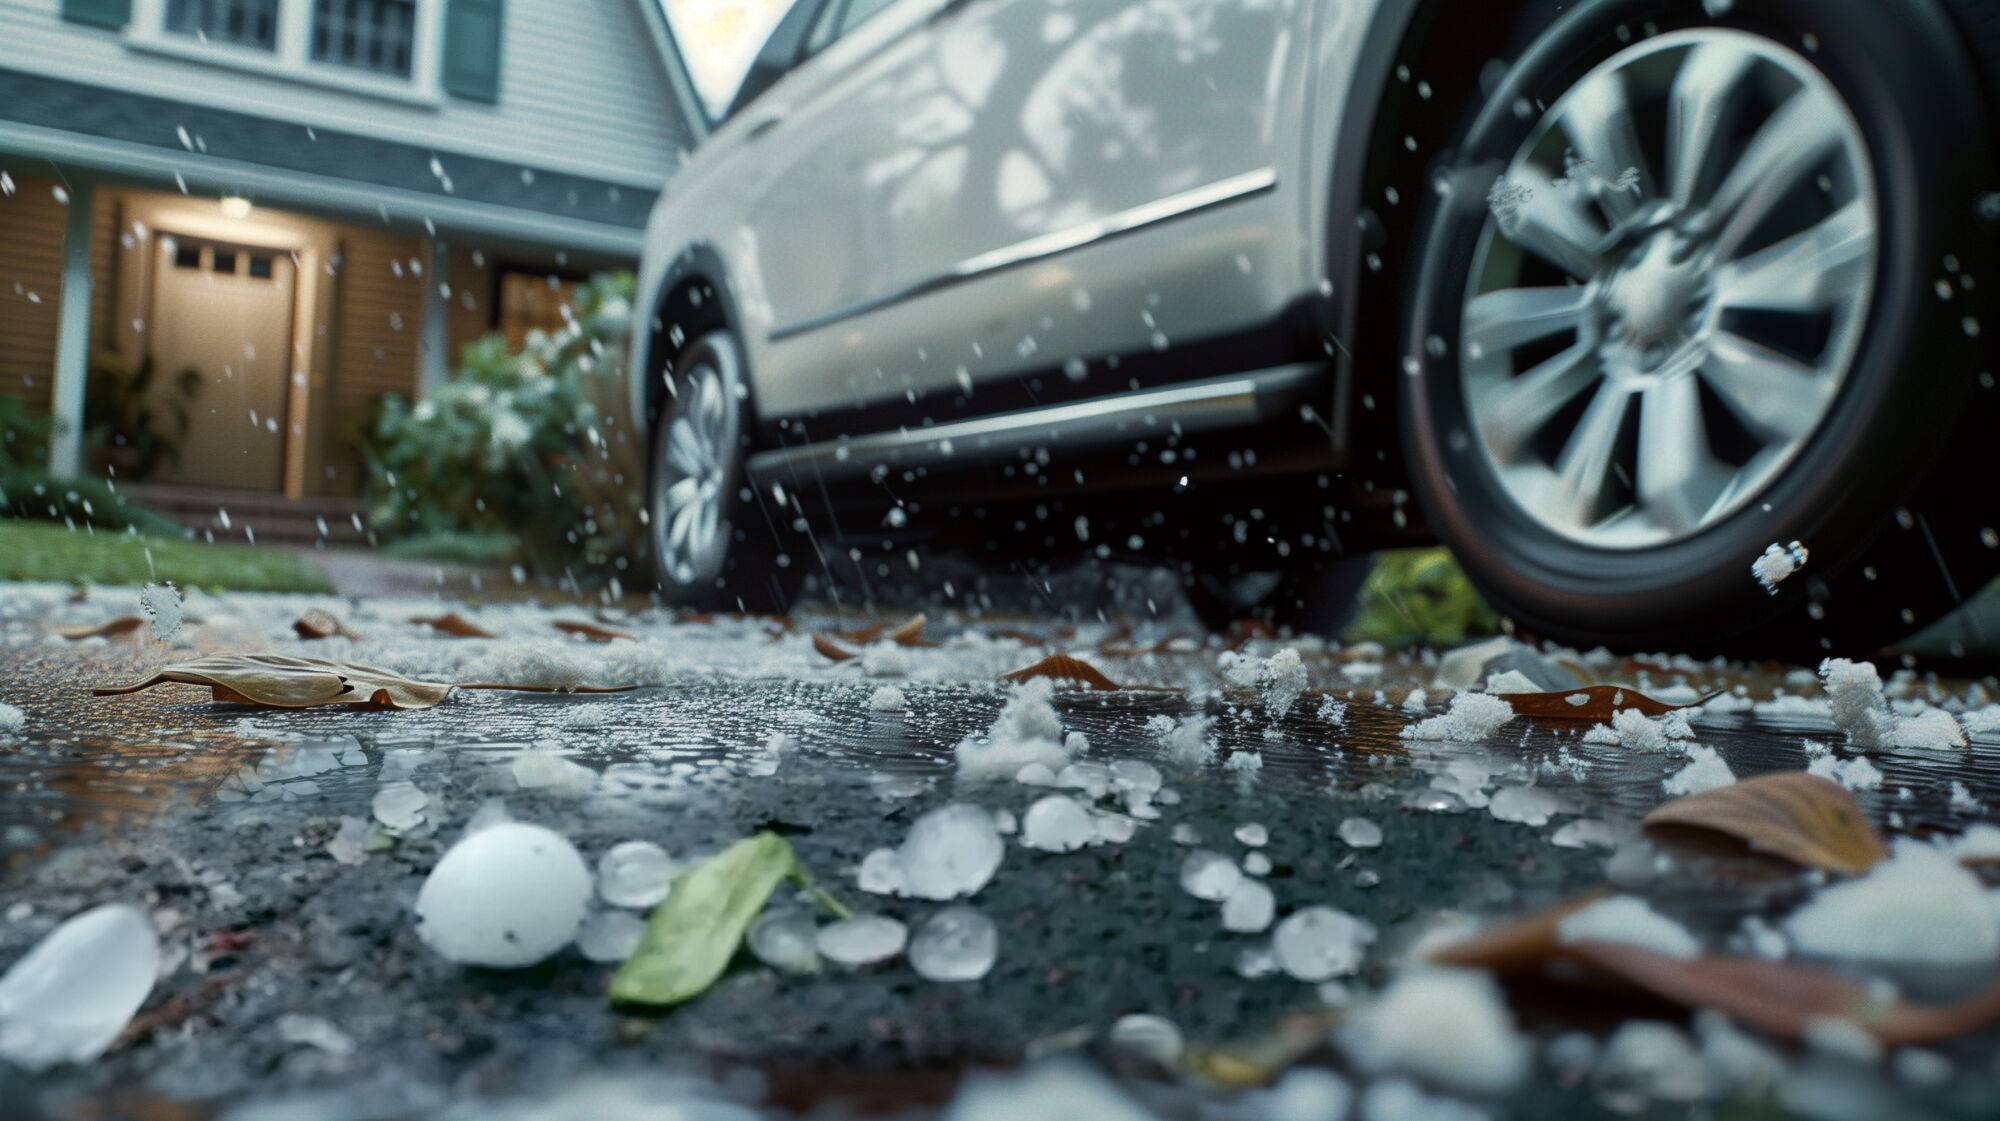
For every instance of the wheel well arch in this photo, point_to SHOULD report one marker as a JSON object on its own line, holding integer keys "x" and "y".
{"x": 694, "y": 298}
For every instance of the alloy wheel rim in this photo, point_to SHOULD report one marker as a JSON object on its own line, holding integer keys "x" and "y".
{"x": 1670, "y": 288}
{"x": 693, "y": 467}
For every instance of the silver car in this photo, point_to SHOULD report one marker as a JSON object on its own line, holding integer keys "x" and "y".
{"x": 1609, "y": 296}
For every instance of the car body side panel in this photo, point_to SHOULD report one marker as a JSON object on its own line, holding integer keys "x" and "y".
{"x": 1216, "y": 268}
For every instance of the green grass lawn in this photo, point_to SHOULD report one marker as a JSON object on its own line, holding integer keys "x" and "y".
{"x": 35, "y": 550}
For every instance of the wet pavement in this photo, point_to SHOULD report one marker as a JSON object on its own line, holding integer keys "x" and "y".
{"x": 217, "y": 818}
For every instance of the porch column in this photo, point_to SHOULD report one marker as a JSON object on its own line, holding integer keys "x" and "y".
{"x": 434, "y": 338}
{"x": 72, "y": 336}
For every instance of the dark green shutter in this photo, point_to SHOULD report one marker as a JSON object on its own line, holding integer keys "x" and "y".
{"x": 98, "y": 13}
{"x": 472, "y": 49}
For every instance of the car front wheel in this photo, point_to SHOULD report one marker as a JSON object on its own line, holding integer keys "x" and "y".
{"x": 1700, "y": 279}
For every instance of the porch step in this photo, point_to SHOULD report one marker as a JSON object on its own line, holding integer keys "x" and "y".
{"x": 248, "y": 515}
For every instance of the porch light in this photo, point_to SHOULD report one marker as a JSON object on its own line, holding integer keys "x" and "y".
{"x": 236, "y": 207}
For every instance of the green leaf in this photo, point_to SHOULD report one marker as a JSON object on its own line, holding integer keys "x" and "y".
{"x": 692, "y": 935}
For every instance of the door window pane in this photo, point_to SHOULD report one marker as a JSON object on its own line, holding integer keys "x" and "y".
{"x": 241, "y": 23}
{"x": 374, "y": 35}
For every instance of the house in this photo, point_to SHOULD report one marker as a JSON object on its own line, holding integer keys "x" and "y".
{"x": 311, "y": 203}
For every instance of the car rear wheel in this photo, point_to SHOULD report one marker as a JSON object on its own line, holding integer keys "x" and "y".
{"x": 1694, "y": 284}
{"x": 715, "y": 545}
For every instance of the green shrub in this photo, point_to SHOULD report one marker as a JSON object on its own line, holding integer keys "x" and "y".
{"x": 1420, "y": 596}
{"x": 29, "y": 492}
{"x": 24, "y": 434}
{"x": 511, "y": 443}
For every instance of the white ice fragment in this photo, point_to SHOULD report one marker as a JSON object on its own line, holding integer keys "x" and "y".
{"x": 1319, "y": 943}
{"x": 950, "y": 852}
{"x": 1057, "y": 823}
{"x": 1207, "y": 874}
{"x": 1256, "y": 864}
{"x": 1511, "y": 681}
{"x": 1472, "y": 717}
{"x": 400, "y": 805}
{"x": 12, "y": 719}
{"x": 1707, "y": 771}
{"x": 1057, "y": 1088}
{"x": 505, "y": 897}
{"x": 1185, "y": 834}
{"x": 349, "y": 843}
{"x": 1093, "y": 779}
{"x": 1188, "y": 743}
{"x": 888, "y": 698}
{"x": 1399, "y": 1099}
{"x": 1333, "y": 711}
{"x": 785, "y": 938}
{"x": 1777, "y": 563}
{"x": 1281, "y": 680}
{"x": 956, "y": 944}
{"x": 315, "y": 1032}
{"x": 1583, "y": 832}
{"x": 1035, "y": 774}
{"x": 162, "y": 604}
{"x": 67, "y": 999}
{"x": 610, "y": 936}
{"x": 1253, "y": 834}
{"x": 1649, "y": 1059}
{"x": 1527, "y": 805}
{"x": 1246, "y": 765}
{"x": 1917, "y": 906}
{"x": 1416, "y": 704}
{"x": 1360, "y": 833}
{"x": 1135, "y": 777}
{"x": 1450, "y": 1027}
{"x": 1302, "y": 1094}
{"x": 1627, "y": 919}
{"x": 1855, "y": 774}
{"x": 543, "y": 769}
{"x": 1115, "y": 828}
{"x": 881, "y": 873}
{"x": 1249, "y": 908}
{"x": 635, "y": 874}
{"x": 885, "y": 659}
{"x": 1026, "y": 732}
{"x": 1149, "y": 1037}
{"x": 861, "y": 940}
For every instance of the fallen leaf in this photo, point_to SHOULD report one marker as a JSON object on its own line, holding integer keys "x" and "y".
{"x": 592, "y": 631}
{"x": 861, "y": 636}
{"x": 283, "y": 681}
{"x": 1062, "y": 667}
{"x": 123, "y": 624}
{"x": 912, "y": 634}
{"x": 830, "y": 648}
{"x": 1596, "y": 703}
{"x": 1514, "y": 944}
{"x": 691, "y": 936}
{"x": 1801, "y": 817}
{"x": 321, "y": 624}
{"x": 455, "y": 625}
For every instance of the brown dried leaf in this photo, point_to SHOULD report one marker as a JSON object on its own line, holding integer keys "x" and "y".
{"x": 830, "y": 648}
{"x": 321, "y": 624}
{"x": 592, "y": 631}
{"x": 912, "y": 633}
{"x": 862, "y": 636}
{"x": 123, "y": 624}
{"x": 1596, "y": 703}
{"x": 455, "y": 625}
{"x": 1514, "y": 944}
{"x": 283, "y": 681}
{"x": 1062, "y": 667}
{"x": 1801, "y": 817}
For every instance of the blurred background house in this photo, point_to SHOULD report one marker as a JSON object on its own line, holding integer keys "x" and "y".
{"x": 233, "y": 226}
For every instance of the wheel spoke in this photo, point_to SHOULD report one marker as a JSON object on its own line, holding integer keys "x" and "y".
{"x": 1778, "y": 397}
{"x": 1584, "y": 467}
{"x": 1512, "y": 412}
{"x": 683, "y": 493}
{"x": 679, "y": 529}
{"x": 1812, "y": 270}
{"x": 1790, "y": 145}
{"x": 1497, "y": 322}
{"x": 1598, "y": 122}
{"x": 684, "y": 450}
{"x": 1703, "y": 109}
{"x": 1679, "y": 478}
{"x": 1546, "y": 220}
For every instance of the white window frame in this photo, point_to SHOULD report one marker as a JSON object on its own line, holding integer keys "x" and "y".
{"x": 292, "y": 58}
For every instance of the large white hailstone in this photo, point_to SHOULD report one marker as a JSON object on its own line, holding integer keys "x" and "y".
{"x": 12, "y": 719}
{"x": 1282, "y": 679}
{"x": 1917, "y": 906}
{"x": 507, "y": 896}
{"x": 1471, "y": 718}
{"x": 1627, "y": 919}
{"x": 1026, "y": 732}
{"x": 1706, "y": 771}
{"x": 70, "y": 996}
{"x": 950, "y": 852}
{"x": 1450, "y": 1027}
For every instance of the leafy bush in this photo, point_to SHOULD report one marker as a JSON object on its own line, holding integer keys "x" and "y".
{"x": 1420, "y": 596}
{"x": 28, "y": 491}
{"x": 511, "y": 443}
{"x": 24, "y": 434}
{"x": 131, "y": 426}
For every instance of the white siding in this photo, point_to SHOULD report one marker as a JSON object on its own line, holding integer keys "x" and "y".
{"x": 583, "y": 89}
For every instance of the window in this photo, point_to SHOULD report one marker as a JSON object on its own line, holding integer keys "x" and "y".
{"x": 260, "y": 266}
{"x": 858, "y": 11}
{"x": 225, "y": 261}
{"x": 373, "y": 35}
{"x": 242, "y": 23}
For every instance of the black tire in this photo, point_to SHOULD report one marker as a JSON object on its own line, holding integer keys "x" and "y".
{"x": 1868, "y": 492}
{"x": 749, "y": 570}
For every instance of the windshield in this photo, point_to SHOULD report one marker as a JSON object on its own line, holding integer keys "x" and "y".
{"x": 718, "y": 40}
